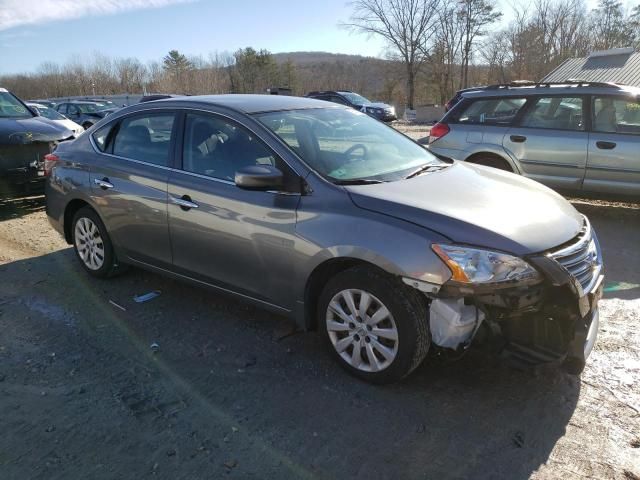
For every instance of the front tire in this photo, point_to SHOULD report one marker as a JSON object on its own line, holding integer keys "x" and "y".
{"x": 92, "y": 244}
{"x": 375, "y": 326}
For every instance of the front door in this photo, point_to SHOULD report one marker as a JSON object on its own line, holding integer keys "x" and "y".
{"x": 235, "y": 239}
{"x": 550, "y": 141}
{"x": 614, "y": 146}
{"x": 129, "y": 184}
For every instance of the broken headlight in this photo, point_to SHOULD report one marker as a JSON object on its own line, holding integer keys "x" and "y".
{"x": 473, "y": 265}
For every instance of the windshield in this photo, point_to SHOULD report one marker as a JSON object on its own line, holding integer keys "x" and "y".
{"x": 11, "y": 107}
{"x": 345, "y": 145}
{"x": 355, "y": 98}
{"x": 49, "y": 113}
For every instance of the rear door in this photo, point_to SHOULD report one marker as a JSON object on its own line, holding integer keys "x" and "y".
{"x": 129, "y": 182}
{"x": 479, "y": 125}
{"x": 235, "y": 239}
{"x": 550, "y": 141}
{"x": 614, "y": 146}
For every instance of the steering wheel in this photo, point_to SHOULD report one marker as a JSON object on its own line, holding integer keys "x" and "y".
{"x": 354, "y": 148}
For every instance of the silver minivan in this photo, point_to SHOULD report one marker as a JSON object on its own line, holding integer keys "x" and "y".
{"x": 574, "y": 137}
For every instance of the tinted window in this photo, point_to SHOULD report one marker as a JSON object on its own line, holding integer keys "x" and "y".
{"x": 616, "y": 115}
{"x": 218, "y": 148}
{"x": 145, "y": 138}
{"x": 62, "y": 108}
{"x": 559, "y": 113}
{"x": 101, "y": 137}
{"x": 491, "y": 111}
{"x": 337, "y": 99}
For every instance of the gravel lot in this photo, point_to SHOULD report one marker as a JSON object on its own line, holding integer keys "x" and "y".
{"x": 233, "y": 391}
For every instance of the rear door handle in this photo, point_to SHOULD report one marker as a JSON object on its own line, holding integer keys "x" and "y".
{"x": 518, "y": 138}
{"x": 104, "y": 184}
{"x": 184, "y": 202}
{"x": 606, "y": 145}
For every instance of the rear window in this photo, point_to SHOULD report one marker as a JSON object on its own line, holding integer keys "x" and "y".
{"x": 491, "y": 111}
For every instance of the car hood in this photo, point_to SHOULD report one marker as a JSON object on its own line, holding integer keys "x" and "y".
{"x": 27, "y": 130}
{"x": 478, "y": 206}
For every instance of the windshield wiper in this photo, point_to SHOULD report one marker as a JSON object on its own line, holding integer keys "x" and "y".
{"x": 424, "y": 168}
{"x": 357, "y": 181}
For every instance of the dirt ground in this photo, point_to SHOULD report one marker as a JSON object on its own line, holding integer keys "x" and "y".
{"x": 231, "y": 392}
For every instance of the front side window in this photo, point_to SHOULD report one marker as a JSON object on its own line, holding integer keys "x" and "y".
{"x": 355, "y": 98}
{"x": 144, "y": 137}
{"x": 345, "y": 145}
{"x": 491, "y": 111}
{"x": 616, "y": 115}
{"x": 559, "y": 113}
{"x": 62, "y": 108}
{"x": 218, "y": 148}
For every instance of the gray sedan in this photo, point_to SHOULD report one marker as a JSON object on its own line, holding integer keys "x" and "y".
{"x": 321, "y": 213}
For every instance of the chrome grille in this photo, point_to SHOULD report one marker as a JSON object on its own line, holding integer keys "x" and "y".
{"x": 581, "y": 258}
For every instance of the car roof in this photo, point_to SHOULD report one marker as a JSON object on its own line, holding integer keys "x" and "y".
{"x": 85, "y": 101}
{"x": 570, "y": 88}
{"x": 36, "y": 104}
{"x": 250, "y": 103}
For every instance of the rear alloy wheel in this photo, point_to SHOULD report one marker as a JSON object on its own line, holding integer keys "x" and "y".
{"x": 375, "y": 325}
{"x": 92, "y": 244}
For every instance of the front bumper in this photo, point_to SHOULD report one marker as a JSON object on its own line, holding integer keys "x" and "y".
{"x": 553, "y": 321}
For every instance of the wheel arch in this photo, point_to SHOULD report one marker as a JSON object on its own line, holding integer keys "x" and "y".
{"x": 319, "y": 278}
{"x": 481, "y": 158}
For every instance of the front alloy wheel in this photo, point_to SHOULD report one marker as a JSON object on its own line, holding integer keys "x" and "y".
{"x": 362, "y": 330}
{"x": 375, "y": 325}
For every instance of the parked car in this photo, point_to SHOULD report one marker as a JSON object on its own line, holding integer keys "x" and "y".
{"x": 46, "y": 103}
{"x": 322, "y": 213}
{"x": 85, "y": 113}
{"x": 381, "y": 111}
{"x": 157, "y": 96}
{"x": 52, "y": 115}
{"x": 24, "y": 141}
{"x": 581, "y": 137}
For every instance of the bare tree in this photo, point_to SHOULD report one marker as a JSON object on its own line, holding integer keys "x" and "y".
{"x": 407, "y": 26}
{"x": 477, "y": 15}
{"x": 610, "y": 27}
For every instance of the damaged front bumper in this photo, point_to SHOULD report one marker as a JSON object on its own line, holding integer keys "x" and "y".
{"x": 553, "y": 321}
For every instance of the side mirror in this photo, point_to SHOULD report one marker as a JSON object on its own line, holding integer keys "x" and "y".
{"x": 259, "y": 177}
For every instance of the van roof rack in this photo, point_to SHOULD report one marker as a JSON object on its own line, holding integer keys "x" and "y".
{"x": 572, "y": 81}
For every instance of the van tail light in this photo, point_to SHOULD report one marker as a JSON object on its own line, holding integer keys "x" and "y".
{"x": 439, "y": 130}
{"x": 50, "y": 161}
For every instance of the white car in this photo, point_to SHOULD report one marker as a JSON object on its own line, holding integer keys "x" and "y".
{"x": 52, "y": 115}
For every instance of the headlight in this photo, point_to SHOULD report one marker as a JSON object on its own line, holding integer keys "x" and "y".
{"x": 472, "y": 265}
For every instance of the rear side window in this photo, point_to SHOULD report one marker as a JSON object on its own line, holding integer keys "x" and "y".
{"x": 558, "y": 113}
{"x": 616, "y": 115}
{"x": 491, "y": 111}
{"x": 101, "y": 136}
{"x": 145, "y": 138}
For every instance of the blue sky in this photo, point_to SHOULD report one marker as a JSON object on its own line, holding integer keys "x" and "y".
{"x": 36, "y": 31}
{"x": 193, "y": 27}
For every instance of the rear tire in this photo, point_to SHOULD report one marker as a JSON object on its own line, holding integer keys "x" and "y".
{"x": 374, "y": 325}
{"x": 92, "y": 244}
{"x": 490, "y": 160}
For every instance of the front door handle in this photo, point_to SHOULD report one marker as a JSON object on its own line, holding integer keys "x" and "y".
{"x": 518, "y": 138}
{"x": 606, "y": 145}
{"x": 104, "y": 184}
{"x": 184, "y": 202}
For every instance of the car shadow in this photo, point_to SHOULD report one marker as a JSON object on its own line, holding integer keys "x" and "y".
{"x": 242, "y": 368}
{"x": 16, "y": 205}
